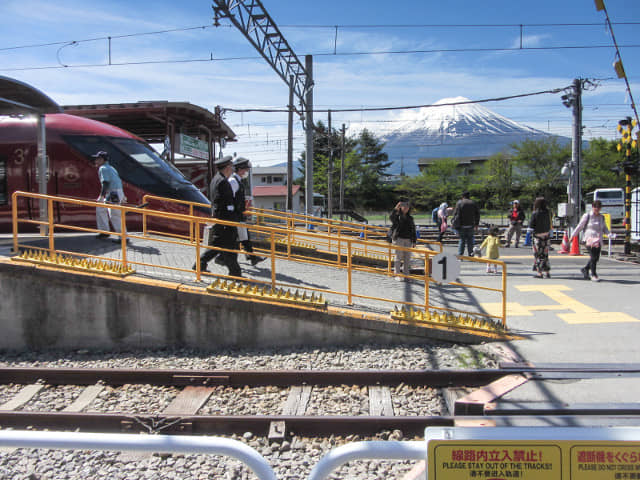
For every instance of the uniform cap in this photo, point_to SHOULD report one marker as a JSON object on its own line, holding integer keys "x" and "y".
{"x": 241, "y": 162}
{"x": 516, "y": 201}
{"x": 224, "y": 161}
{"x": 101, "y": 154}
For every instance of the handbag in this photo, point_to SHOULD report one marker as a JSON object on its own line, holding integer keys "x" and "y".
{"x": 592, "y": 241}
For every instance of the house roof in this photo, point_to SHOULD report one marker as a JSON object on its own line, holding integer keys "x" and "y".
{"x": 274, "y": 191}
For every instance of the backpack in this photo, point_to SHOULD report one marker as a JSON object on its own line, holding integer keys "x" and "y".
{"x": 434, "y": 214}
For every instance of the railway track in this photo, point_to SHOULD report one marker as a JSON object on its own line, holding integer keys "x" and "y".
{"x": 292, "y": 402}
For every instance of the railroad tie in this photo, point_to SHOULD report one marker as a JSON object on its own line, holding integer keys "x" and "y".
{"x": 380, "y": 403}
{"x": 87, "y": 396}
{"x": 186, "y": 403}
{"x": 296, "y": 404}
{"x": 22, "y": 397}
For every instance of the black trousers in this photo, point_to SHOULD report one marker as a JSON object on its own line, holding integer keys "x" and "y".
{"x": 223, "y": 236}
{"x": 594, "y": 256}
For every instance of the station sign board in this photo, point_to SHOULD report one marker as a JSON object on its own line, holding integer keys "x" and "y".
{"x": 534, "y": 453}
{"x": 192, "y": 147}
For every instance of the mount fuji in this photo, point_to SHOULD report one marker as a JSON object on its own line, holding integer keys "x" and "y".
{"x": 454, "y": 131}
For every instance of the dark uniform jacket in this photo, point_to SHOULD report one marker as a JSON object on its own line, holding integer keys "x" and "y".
{"x": 469, "y": 213}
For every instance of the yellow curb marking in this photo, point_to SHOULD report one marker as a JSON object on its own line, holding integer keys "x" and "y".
{"x": 581, "y": 313}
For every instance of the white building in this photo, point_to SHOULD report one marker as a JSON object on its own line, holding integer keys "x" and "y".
{"x": 269, "y": 189}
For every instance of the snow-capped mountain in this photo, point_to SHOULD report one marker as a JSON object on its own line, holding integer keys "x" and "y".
{"x": 466, "y": 130}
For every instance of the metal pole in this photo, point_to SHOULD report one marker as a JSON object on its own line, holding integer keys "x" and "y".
{"x": 330, "y": 171}
{"x": 576, "y": 139}
{"x": 342, "y": 172}
{"x": 308, "y": 207}
{"x": 578, "y": 114}
{"x": 42, "y": 170}
{"x": 290, "y": 148}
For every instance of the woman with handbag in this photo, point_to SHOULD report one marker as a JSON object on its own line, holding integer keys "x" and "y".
{"x": 594, "y": 227}
{"x": 403, "y": 234}
{"x": 540, "y": 223}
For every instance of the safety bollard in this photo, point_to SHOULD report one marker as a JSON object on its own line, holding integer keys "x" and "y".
{"x": 527, "y": 238}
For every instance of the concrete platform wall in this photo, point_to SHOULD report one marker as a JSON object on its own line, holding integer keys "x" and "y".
{"x": 42, "y": 308}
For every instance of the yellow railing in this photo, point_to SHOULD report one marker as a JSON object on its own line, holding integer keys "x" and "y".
{"x": 343, "y": 252}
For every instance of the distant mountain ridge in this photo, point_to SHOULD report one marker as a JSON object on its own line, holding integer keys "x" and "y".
{"x": 465, "y": 130}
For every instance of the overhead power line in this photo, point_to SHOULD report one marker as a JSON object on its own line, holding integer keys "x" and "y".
{"x": 406, "y": 107}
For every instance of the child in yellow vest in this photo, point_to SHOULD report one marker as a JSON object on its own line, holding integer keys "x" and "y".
{"x": 492, "y": 244}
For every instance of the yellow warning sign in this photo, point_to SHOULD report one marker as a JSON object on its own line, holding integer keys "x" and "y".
{"x": 495, "y": 461}
{"x": 596, "y": 462}
{"x": 532, "y": 460}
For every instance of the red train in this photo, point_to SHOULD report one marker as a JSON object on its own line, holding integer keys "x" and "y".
{"x": 70, "y": 142}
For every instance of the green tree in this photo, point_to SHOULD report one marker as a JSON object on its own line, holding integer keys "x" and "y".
{"x": 441, "y": 182}
{"x": 365, "y": 164}
{"x": 600, "y": 161}
{"x": 540, "y": 163}
{"x": 496, "y": 178}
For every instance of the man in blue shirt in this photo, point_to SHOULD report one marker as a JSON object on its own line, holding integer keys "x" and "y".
{"x": 110, "y": 193}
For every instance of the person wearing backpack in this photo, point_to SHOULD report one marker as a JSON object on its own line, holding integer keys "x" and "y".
{"x": 439, "y": 216}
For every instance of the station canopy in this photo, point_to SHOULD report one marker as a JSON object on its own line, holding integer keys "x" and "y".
{"x": 154, "y": 120}
{"x": 18, "y": 98}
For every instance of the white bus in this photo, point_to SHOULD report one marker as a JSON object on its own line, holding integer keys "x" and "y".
{"x": 612, "y": 201}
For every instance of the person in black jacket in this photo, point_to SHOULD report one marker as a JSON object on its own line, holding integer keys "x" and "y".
{"x": 403, "y": 230}
{"x": 466, "y": 218}
{"x": 223, "y": 208}
{"x": 242, "y": 166}
{"x": 540, "y": 223}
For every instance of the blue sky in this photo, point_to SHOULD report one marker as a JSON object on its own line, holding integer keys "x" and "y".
{"x": 362, "y": 74}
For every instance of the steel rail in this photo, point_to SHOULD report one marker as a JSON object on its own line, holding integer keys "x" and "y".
{"x": 240, "y": 378}
{"x": 300, "y": 425}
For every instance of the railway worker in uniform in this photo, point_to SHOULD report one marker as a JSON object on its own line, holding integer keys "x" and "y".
{"x": 242, "y": 166}
{"x": 110, "y": 193}
{"x": 222, "y": 208}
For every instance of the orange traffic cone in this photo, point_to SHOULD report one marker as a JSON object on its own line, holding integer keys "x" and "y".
{"x": 575, "y": 247}
{"x": 565, "y": 244}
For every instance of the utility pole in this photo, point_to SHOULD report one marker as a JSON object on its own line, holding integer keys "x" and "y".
{"x": 308, "y": 164}
{"x": 342, "y": 172}
{"x": 573, "y": 100}
{"x": 290, "y": 149}
{"x": 330, "y": 171}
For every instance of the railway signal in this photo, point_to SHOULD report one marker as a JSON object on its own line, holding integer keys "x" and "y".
{"x": 628, "y": 146}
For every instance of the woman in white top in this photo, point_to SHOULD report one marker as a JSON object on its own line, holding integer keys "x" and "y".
{"x": 594, "y": 227}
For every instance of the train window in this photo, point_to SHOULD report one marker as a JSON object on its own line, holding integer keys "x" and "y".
{"x": 3, "y": 181}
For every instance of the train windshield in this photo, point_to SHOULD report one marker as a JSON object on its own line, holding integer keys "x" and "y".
{"x": 139, "y": 165}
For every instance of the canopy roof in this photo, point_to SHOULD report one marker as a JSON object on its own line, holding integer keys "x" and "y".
{"x": 150, "y": 120}
{"x": 19, "y": 98}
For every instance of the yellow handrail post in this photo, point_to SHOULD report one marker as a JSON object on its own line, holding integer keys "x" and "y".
{"x": 273, "y": 261}
{"x": 197, "y": 232}
{"x": 191, "y": 223}
{"x": 14, "y": 220}
{"x": 123, "y": 236}
{"x": 144, "y": 217}
{"x": 426, "y": 282}
{"x": 349, "y": 276}
{"x": 52, "y": 247}
{"x": 504, "y": 295}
